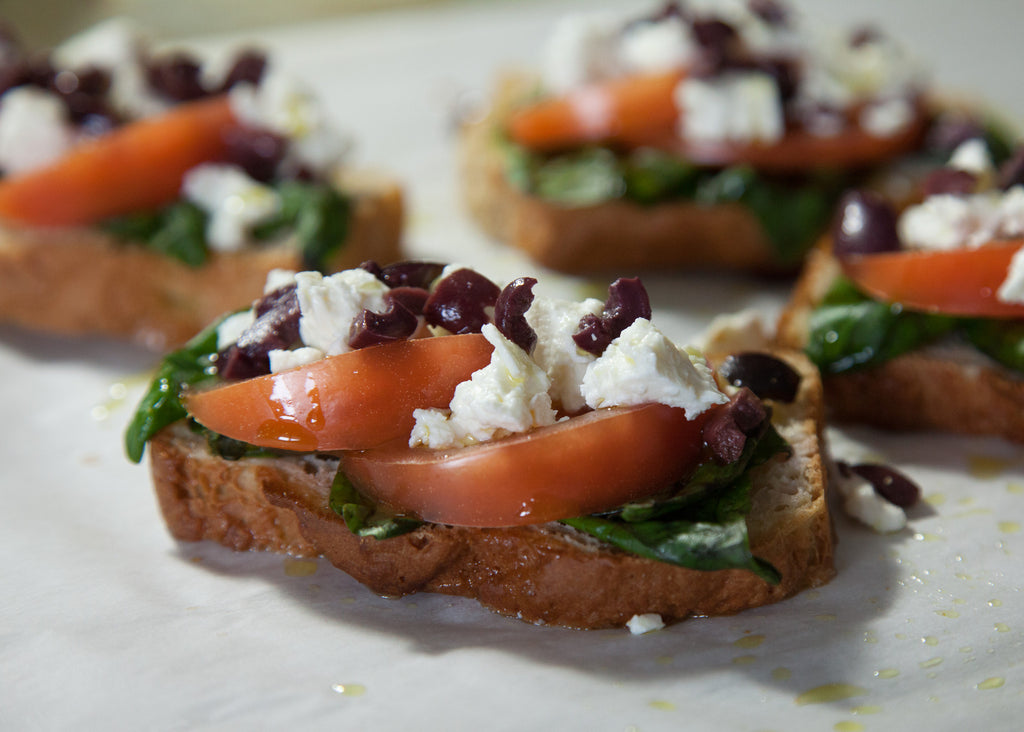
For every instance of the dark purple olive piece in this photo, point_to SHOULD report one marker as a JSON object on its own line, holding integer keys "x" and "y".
{"x": 770, "y": 11}
{"x": 627, "y": 301}
{"x": 510, "y": 312}
{"x": 889, "y": 483}
{"x": 767, "y": 376}
{"x": 864, "y": 224}
{"x": 410, "y": 274}
{"x": 176, "y": 77}
{"x": 950, "y": 130}
{"x": 248, "y": 66}
{"x": 396, "y": 323}
{"x": 413, "y": 299}
{"x": 719, "y": 44}
{"x": 276, "y": 326}
{"x": 864, "y": 35}
{"x": 950, "y": 181}
{"x": 460, "y": 301}
{"x": 727, "y": 429}
{"x": 257, "y": 152}
{"x": 1011, "y": 173}
{"x": 373, "y": 268}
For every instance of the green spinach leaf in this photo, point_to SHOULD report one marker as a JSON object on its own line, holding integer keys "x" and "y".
{"x": 362, "y": 516}
{"x": 1002, "y": 340}
{"x": 177, "y": 230}
{"x": 319, "y": 216}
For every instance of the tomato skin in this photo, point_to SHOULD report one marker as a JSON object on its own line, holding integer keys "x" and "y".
{"x": 353, "y": 401}
{"x": 954, "y": 282}
{"x": 591, "y": 463}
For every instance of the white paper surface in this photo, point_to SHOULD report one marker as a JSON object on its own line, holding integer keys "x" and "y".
{"x": 106, "y": 623}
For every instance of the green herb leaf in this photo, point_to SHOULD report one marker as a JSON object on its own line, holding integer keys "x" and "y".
{"x": 178, "y": 231}
{"x": 583, "y": 178}
{"x": 849, "y": 331}
{"x": 652, "y": 176}
{"x": 161, "y": 404}
{"x": 362, "y": 516}
{"x": 319, "y": 216}
{"x": 1002, "y": 340}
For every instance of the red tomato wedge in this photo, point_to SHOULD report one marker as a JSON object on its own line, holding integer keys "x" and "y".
{"x": 640, "y": 111}
{"x": 634, "y": 108}
{"x": 353, "y": 401}
{"x": 136, "y": 167}
{"x": 591, "y": 463}
{"x": 955, "y": 282}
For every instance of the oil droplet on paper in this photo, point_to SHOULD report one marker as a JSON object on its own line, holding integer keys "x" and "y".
{"x": 986, "y": 466}
{"x": 300, "y": 567}
{"x": 848, "y": 727}
{"x": 993, "y": 682}
{"x": 663, "y": 660}
{"x": 830, "y": 693}
{"x": 927, "y": 537}
{"x": 744, "y": 660}
{"x": 995, "y": 603}
{"x": 749, "y": 641}
{"x": 867, "y": 709}
{"x": 827, "y": 617}
{"x": 887, "y": 673}
{"x": 1008, "y": 527}
{"x": 1002, "y": 628}
{"x": 781, "y": 673}
{"x": 931, "y": 662}
{"x": 870, "y": 637}
{"x": 665, "y": 706}
{"x": 350, "y": 689}
{"x": 935, "y": 499}
{"x": 966, "y": 649}
{"x": 1017, "y": 488}
{"x": 930, "y": 640}
{"x": 948, "y": 613}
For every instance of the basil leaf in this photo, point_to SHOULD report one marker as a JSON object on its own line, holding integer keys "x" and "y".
{"x": 792, "y": 215}
{"x": 584, "y": 178}
{"x": 652, "y": 176}
{"x": 319, "y": 216}
{"x": 363, "y": 517}
{"x": 1002, "y": 340}
{"x": 161, "y": 404}
{"x": 177, "y": 231}
{"x": 849, "y": 331}
{"x": 230, "y": 448}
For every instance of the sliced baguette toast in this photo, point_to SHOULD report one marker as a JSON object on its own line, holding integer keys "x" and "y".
{"x": 946, "y": 387}
{"x": 547, "y": 574}
{"x": 83, "y": 281}
{"x": 615, "y": 235}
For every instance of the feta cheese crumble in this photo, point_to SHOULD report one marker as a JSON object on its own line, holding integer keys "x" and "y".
{"x": 646, "y": 623}
{"x": 642, "y": 366}
{"x": 34, "y": 129}
{"x": 329, "y": 305}
{"x": 508, "y": 395}
{"x": 862, "y": 502}
{"x": 735, "y": 106}
{"x": 234, "y": 201}
{"x": 555, "y": 322}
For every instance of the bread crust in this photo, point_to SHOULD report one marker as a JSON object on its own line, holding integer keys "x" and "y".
{"x": 944, "y": 389}
{"x": 77, "y": 281}
{"x": 614, "y": 235}
{"x": 546, "y": 574}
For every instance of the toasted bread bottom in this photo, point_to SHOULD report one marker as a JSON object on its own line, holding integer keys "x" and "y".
{"x": 541, "y": 574}
{"x": 82, "y": 281}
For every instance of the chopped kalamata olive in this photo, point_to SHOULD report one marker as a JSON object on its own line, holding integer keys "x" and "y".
{"x": 1011, "y": 173}
{"x": 865, "y": 223}
{"x": 950, "y": 130}
{"x": 726, "y": 431}
{"x": 176, "y": 76}
{"x": 410, "y": 274}
{"x": 257, "y": 152}
{"x": 414, "y": 299}
{"x": 889, "y": 483}
{"x": 276, "y": 326}
{"x": 460, "y": 301}
{"x": 718, "y": 43}
{"x": 767, "y": 376}
{"x": 248, "y": 67}
{"x": 373, "y": 268}
{"x": 949, "y": 181}
{"x": 396, "y": 323}
{"x": 627, "y": 301}
{"x": 770, "y": 11}
{"x": 510, "y": 312}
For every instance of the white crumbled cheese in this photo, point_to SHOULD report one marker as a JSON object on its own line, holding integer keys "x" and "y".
{"x": 1011, "y": 212}
{"x": 945, "y": 221}
{"x": 878, "y": 67}
{"x": 508, "y": 395}
{"x": 646, "y": 623}
{"x": 232, "y": 327}
{"x": 329, "y": 305}
{"x": 734, "y": 332}
{"x": 282, "y": 105}
{"x": 887, "y": 117}
{"x": 555, "y": 322}
{"x": 642, "y": 366}
{"x": 34, "y": 129}
{"x": 655, "y": 47}
{"x": 972, "y": 156}
{"x": 234, "y": 201}
{"x": 278, "y": 278}
{"x": 733, "y": 107}
{"x": 1012, "y": 289}
{"x": 862, "y": 502}
{"x": 282, "y": 360}
{"x": 581, "y": 49}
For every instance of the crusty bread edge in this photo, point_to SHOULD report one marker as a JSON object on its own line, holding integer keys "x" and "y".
{"x": 613, "y": 235}
{"x": 78, "y": 281}
{"x": 932, "y": 389}
{"x": 541, "y": 574}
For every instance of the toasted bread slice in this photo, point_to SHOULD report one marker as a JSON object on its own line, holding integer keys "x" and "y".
{"x": 615, "y": 235}
{"x": 945, "y": 387}
{"x": 82, "y": 281}
{"x": 547, "y": 574}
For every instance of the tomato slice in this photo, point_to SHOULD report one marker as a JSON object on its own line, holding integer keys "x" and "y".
{"x": 583, "y": 465}
{"x": 348, "y": 402}
{"x": 640, "y": 111}
{"x": 955, "y": 282}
